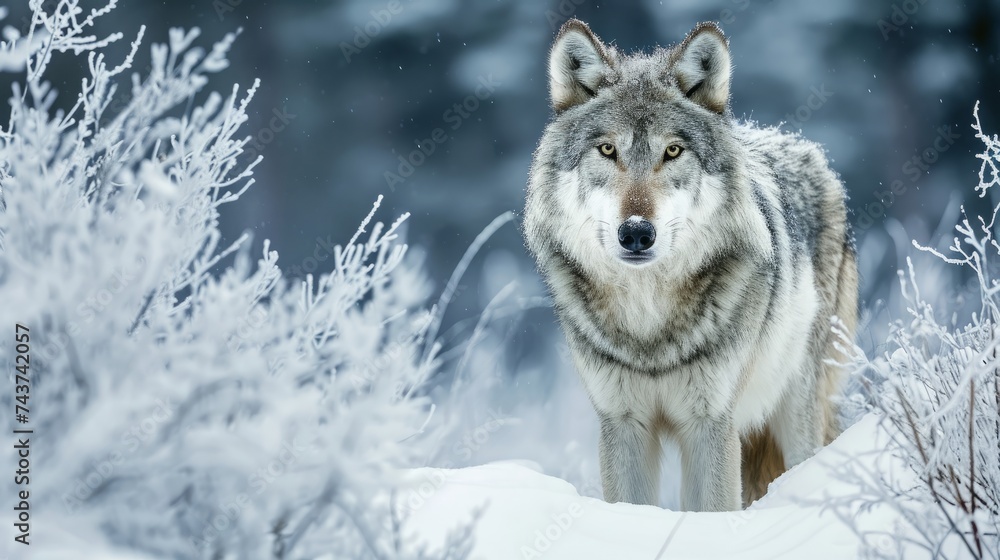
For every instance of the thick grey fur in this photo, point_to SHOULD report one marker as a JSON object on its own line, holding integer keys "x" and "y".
{"x": 722, "y": 330}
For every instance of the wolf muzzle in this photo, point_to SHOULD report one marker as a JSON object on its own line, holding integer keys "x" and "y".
{"x": 636, "y": 234}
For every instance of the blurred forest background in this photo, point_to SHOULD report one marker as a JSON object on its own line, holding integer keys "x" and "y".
{"x": 348, "y": 87}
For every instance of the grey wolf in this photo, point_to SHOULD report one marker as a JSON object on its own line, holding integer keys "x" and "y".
{"x": 695, "y": 264}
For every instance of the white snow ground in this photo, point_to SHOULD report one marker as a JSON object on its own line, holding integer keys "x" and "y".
{"x": 528, "y": 514}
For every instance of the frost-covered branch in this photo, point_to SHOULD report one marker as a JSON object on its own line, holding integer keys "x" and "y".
{"x": 190, "y": 401}
{"x": 939, "y": 393}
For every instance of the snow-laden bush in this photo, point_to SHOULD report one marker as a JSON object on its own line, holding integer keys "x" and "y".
{"x": 187, "y": 402}
{"x": 938, "y": 390}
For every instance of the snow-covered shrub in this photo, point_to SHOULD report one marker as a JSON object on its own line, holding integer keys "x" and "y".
{"x": 938, "y": 390}
{"x": 186, "y": 401}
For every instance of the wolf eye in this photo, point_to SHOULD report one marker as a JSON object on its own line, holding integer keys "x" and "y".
{"x": 608, "y": 150}
{"x": 672, "y": 152}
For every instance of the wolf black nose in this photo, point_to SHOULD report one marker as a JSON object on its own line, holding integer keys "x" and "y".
{"x": 636, "y": 235}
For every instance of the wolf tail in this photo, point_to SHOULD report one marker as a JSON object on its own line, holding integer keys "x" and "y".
{"x": 847, "y": 311}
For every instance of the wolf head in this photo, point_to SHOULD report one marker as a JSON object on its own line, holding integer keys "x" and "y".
{"x": 640, "y": 163}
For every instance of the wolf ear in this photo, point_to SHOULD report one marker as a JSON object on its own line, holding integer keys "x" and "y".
{"x": 579, "y": 64}
{"x": 702, "y": 67}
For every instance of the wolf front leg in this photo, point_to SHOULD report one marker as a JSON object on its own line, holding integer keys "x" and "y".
{"x": 800, "y": 421}
{"x": 630, "y": 460}
{"x": 710, "y": 463}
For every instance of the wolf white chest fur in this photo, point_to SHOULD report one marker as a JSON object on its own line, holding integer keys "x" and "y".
{"x": 695, "y": 263}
